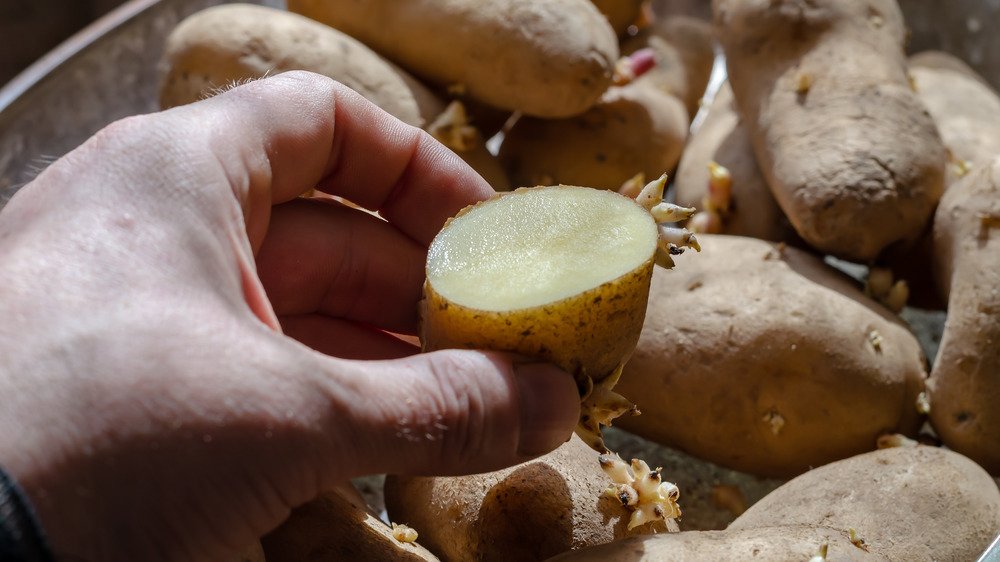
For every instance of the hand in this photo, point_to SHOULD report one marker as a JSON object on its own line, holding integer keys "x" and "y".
{"x": 152, "y": 407}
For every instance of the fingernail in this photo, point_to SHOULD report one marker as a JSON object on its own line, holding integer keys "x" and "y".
{"x": 549, "y": 407}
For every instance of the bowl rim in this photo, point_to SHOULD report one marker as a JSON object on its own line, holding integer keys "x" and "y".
{"x": 27, "y": 79}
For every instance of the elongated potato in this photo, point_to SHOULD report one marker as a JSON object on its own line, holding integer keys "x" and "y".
{"x": 234, "y": 43}
{"x": 336, "y": 526}
{"x": 964, "y": 108}
{"x": 685, "y": 53}
{"x": 766, "y": 360}
{"x": 559, "y": 273}
{"x": 218, "y": 46}
{"x": 635, "y": 128}
{"x": 905, "y": 503}
{"x": 965, "y": 382}
{"x": 549, "y": 59}
{"x": 528, "y": 512}
{"x": 848, "y": 149}
{"x": 966, "y": 111}
{"x": 724, "y": 140}
{"x": 773, "y": 544}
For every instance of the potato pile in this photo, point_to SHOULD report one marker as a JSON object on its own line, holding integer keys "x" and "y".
{"x": 754, "y": 358}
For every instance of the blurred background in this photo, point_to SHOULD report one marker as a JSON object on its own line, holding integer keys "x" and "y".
{"x": 30, "y": 28}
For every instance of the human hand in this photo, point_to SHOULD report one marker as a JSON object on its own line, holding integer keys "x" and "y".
{"x": 152, "y": 409}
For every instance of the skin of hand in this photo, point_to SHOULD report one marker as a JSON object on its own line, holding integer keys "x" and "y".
{"x": 156, "y": 285}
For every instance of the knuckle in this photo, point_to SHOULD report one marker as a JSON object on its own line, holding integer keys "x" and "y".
{"x": 462, "y": 380}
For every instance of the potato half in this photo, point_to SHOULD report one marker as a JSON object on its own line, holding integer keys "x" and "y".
{"x": 560, "y": 273}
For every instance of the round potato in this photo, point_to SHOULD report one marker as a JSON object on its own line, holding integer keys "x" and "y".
{"x": 233, "y": 43}
{"x": 774, "y": 544}
{"x": 764, "y": 359}
{"x": 635, "y": 128}
{"x": 905, "y": 503}
{"x": 548, "y": 59}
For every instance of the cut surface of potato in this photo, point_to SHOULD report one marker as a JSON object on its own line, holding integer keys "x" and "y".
{"x": 546, "y": 245}
{"x": 558, "y": 273}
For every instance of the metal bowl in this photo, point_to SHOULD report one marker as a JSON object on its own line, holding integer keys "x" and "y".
{"x": 101, "y": 74}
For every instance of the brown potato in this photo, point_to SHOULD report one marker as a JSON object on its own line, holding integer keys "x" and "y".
{"x": 723, "y": 139}
{"x": 965, "y": 109}
{"x": 528, "y": 512}
{"x": 773, "y": 544}
{"x": 232, "y": 43}
{"x": 964, "y": 387}
{"x": 336, "y": 526}
{"x": 548, "y": 59}
{"x": 633, "y": 129}
{"x": 849, "y": 150}
{"x": 764, "y": 359}
{"x": 905, "y": 503}
{"x": 685, "y": 53}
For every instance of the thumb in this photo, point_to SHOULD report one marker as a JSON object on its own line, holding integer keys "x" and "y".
{"x": 448, "y": 412}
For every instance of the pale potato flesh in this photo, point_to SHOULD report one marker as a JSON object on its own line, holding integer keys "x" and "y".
{"x": 544, "y": 246}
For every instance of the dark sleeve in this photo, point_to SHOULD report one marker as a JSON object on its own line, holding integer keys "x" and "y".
{"x": 21, "y": 537}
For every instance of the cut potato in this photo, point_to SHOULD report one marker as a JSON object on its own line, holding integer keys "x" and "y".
{"x": 559, "y": 273}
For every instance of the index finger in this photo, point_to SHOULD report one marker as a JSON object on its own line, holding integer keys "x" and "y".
{"x": 298, "y": 130}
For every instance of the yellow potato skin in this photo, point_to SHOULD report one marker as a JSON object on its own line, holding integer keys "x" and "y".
{"x": 965, "y": 381}
{"x": 590, "y": 334}
{"x": 527, "y": 512}
{"x": 635, "y": 128}
{"x": 548, "y": 59}
{"x": 237, "y": 42}
{"x": 761, "y": 358}
{"x": 907, "y": 503}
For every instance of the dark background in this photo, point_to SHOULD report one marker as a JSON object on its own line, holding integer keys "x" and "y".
{"x": 31, "y": 28}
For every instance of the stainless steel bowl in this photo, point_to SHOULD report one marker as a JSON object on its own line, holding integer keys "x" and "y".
{"x": 101, "y": 74}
